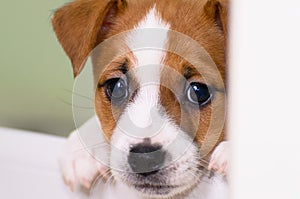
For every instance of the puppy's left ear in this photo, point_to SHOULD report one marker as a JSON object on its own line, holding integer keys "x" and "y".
{"x": 218, "y": 11}
{"x": 81, "y": 25}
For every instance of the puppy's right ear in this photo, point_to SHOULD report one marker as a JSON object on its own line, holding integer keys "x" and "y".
{"x": 81, "y": 25}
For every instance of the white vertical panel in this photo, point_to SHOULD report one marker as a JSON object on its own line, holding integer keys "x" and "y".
{"x": 265, "y": 99}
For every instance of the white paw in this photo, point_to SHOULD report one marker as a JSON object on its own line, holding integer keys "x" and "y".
{"x": 78, "y": 167}
{"x": 219, "y": 158}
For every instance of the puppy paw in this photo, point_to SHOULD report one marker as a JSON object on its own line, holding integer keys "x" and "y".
{"x": 219, "y": 158}
{"x": 78, "y": 166}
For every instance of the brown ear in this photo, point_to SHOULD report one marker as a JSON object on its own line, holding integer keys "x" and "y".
{"x": 80, "y": 25}
{"x": 218, "y": 10}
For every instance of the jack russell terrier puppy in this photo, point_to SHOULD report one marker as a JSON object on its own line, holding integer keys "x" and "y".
{"x": 159, "y": 72}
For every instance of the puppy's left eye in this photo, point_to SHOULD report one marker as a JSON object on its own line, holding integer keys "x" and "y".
{"x": 116, "y": 90}
{"x": 198, "y": 93}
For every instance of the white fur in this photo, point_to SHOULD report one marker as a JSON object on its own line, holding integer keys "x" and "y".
{"x": 214, "y": 188}
{"x": 77, "y": 162}
{"x": 148, "y": 61}
{"x": 143, "y": 118}
{"x": 137, "y": 38}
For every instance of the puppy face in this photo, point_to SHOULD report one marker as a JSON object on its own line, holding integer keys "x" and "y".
{"x": 155, "y": 105}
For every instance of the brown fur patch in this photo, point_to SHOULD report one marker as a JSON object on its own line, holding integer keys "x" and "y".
{"x": 82, "y": 24}
{"x": 198, "y": 21}
{"x": 79, "y": 27}
{"x": 106, "y": 111}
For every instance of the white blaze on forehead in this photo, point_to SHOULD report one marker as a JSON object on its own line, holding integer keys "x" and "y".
{"x": 142, "y": 117}
{"x": 151, "y": 32}
{"x": 147, "y": 42}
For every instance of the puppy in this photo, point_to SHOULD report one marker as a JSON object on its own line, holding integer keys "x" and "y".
{"x": 159, "y": 73}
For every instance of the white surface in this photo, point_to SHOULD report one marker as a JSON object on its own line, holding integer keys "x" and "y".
{"x": 28, "y": 166}
{"x": 29, "y": 170}
{"x": 265, "y": 99}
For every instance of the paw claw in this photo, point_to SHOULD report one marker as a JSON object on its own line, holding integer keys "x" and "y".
{"x": 86, "y": 184}
{"x": 70, "y": 185}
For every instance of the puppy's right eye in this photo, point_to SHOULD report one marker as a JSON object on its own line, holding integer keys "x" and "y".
{"x": 116, "y": 90}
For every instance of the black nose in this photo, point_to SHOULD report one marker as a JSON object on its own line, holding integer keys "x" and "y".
{"x": 146, "y": 159}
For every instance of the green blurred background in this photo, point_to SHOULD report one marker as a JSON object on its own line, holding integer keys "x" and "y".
{"x": 35, "y": 74}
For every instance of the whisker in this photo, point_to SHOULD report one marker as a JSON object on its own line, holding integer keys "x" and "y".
{"x": 107, "y": 174}
{"x": 110, "y": 180}
{"x": 78, "y": 94}
{"x": 100, "y": 143}
{"x": 95, "y": 146}
{"x": 201, "y": 177}
{"x": 204, "y": 163}
{"x": 100, "y": 146}
{"x": 203, "y": 160}
{"x": 73, "y": 105}
{"x": 100, "y": 178}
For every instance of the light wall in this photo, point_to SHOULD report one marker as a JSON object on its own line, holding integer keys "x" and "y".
{"x": 35, "y": 74}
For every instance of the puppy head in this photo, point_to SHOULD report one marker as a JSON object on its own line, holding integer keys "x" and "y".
{"x": 158, "y": 74}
